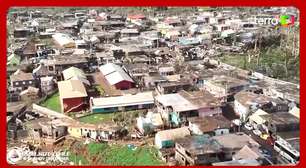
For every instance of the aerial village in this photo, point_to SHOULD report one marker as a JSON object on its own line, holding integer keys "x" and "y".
{"x": 151, "y": 86}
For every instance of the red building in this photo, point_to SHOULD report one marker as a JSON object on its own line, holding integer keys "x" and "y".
{"x": 116, "y": 76}
{"x": 73, "y": 95}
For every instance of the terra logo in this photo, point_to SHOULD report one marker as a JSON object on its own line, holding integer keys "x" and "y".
{"x": 282, "y": 20}
{"x": 286, "y": 20}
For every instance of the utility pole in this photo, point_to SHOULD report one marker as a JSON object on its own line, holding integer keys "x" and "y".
{"x": 259, "y": 48}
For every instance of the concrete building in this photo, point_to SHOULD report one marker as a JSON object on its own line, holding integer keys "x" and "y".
{"x": 242, "y": 162}
{"x": 166, "y": 138}
{"x": 150, "y": 123}
{"x": 46, "y": 132}
{"x": 257, "y": 118}
{"x": 280, "y": 122}
{"x": 103, "y": 131}
{"x": 21, "y": 80}
{"x": 172, "y": 87}
{"x": 224, "y": 86}
{"x": 64, "y": 40}
{"x": 232, "y": 143}
{"x": 47, "y": 84}
{"x": 176, "y": 108}
{"x": 197, "y": 150}
{"x": 122, "y": 103}
{"x": 213, "y": 125}
{"x": 248, "y": 102}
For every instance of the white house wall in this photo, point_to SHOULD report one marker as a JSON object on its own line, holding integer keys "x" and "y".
{"x": 241, "y": 110}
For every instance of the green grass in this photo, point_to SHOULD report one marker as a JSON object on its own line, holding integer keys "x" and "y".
{"x": 76, "y": 159}
{"x": 97, "y": 118}
{"x": 52, "y": 102}
{"x": 96, "y": 148}
{"x": 121, "y": 155}
{"x": 234, "y": 60}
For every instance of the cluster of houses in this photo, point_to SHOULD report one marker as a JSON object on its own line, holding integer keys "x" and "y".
{"x": 200, "y": 111}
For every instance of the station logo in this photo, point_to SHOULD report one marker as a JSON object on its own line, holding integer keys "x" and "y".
{"x": 286, "y": 20}
{"x": 281, "y": 20}
{"x": 14, "y": 155}
{"x": 17, "y": 154}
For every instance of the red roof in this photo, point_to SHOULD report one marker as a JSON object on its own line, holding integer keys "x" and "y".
{"x": 137, "y": 16}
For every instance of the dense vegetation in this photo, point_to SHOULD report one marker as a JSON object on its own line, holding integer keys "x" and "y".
{"x": 279, "y": 58}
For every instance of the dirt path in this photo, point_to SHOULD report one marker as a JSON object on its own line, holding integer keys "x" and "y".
{"x": 108, "y": 89}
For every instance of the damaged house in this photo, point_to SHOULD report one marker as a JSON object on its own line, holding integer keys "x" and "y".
{"x": 234, "y": 142}
{"x": 224, "y": 86}
{"x": 46, "y": 131}
{"x": 281, "y": 122}
{"x": 173, "y": 87}
{"x": 178, "y": 107}
{"x": 249, "y": 102}
{"x": 166, "y": 138}
{"x": 198, "y": 150}
{"x": 21, "y": 80}
{"x": 64, "y": 40}
{"x": 212, "y": 125}
{"x": 150, "y": 123}
{"x": 105, "y": 131}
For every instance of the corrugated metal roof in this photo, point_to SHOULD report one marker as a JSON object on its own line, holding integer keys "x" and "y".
{"x": 172, "y": 134}
{"x": 108, "y": 68}
{"x": 76, "y": 74}
{"x": 117, "y": 77}
{"x": 126, "y": 100}
{"x": 295, "y": 111}
{"x": 73, "y": 72}
{"x": 114, "y": 73}
{"x": 21, "y": 76}
{"x": 63, "y": 40}
{"x": 176, "y": 101}
{"x": 71, "y": 89}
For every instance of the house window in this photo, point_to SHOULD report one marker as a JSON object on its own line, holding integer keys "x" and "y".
{"x": 17, "y": 83}
{"x": 30, "y": 82}
{"x": 24, "y": 82}
{"x": 213, "y": 155}
{"x": 51, "y": 68}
